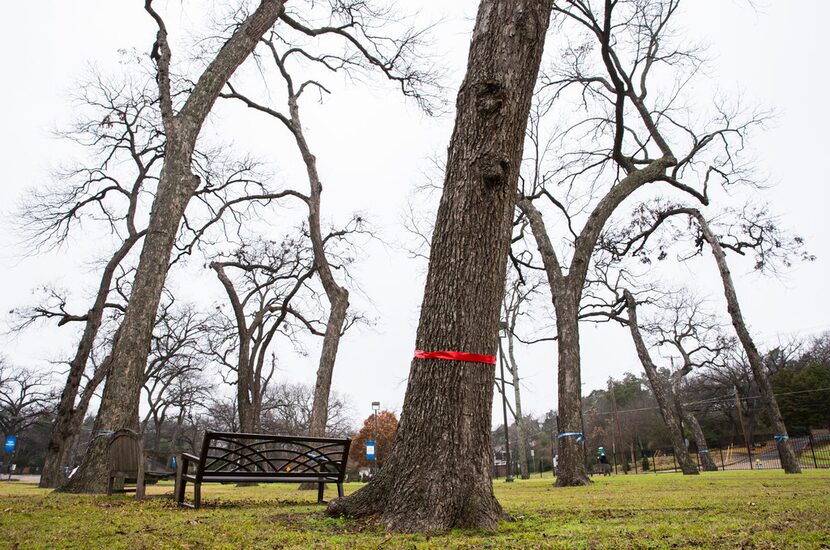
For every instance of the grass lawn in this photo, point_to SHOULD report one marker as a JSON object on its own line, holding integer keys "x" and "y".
{"x": 765, "y": 509}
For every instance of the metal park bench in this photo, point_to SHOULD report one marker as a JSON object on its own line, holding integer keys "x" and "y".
{"x": 125, "y": 461}
{"x": 260, "y": 458}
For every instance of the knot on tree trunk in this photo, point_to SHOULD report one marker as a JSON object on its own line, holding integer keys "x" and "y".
{"x": 493, "y": 170}
{"x": 489, "y": 97}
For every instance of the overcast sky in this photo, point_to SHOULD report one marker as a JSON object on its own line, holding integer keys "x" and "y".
{"x": 373, "y": 149}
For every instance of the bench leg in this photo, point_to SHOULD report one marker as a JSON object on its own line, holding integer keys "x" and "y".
{"x": 320, "y": 488}
{"x": 339, "y": 490}
{"x": 139, "y": 483}
{"x": 178, "y": 491}
{"x": 197, "y": 495}
{"x": 110, "y": 481}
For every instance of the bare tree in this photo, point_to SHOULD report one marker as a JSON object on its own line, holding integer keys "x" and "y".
{"x": 438, "y": 474}
{"x": 173, "y": 361}
{"x": 288, "y": 407}
{"x": 264, "y": 302}
{"x": 695, "y": 336}
{"x": 623, "y": 135}
{"x": 516, "y": 300}
{"x": 358, "y": 29}
{"x": 662, "y": 392}
{"x": 177, "y": 183}
{"x": 122, "y": 136}
{"x": 121, "y": 133}
{"x": 755, "y": 232}
{"x": 25, "y": 397}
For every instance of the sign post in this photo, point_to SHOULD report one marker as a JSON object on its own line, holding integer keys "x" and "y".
{"x": 9, "y": 446}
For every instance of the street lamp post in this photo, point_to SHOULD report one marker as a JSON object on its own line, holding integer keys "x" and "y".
{"x": 509, "y": 477}
{"x": 375, "y": 409}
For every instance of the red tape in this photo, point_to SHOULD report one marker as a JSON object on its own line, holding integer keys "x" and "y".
{"x": 456, "y": 356}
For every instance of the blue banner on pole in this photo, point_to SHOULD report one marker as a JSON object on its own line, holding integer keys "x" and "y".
{"x": 11, "y": 443}
{"x": 370, "y": 450}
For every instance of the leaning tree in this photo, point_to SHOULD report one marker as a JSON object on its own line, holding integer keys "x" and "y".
{"x": 182, "y": 115}
{"x": 750, "y": 230}
{"x": 122, "y": 143}
{"x": 438, "y": 475}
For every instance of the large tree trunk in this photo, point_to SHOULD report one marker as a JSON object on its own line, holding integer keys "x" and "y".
{"x": 438, "y": 474}
{"x": 785, "y": 449}
{"x": 665, "y": 402}
{"x": 55, "y": 474}
{"x": 520, "y": 429}
{"x": 707, "y": 463}
{"x": 119, "y": 403}
{"x": 570, "y": 471}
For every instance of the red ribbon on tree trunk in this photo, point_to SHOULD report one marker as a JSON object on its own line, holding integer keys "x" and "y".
{"x": 456, "y": 356}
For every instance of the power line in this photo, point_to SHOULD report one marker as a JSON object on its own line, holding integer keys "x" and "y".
{"x": 718, "y": 400}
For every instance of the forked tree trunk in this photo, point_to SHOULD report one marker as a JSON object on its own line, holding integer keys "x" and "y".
{"x": 120, "y": 400}
{"x": 244, "y": 369}
{"x": 55, "y": 475}
{"x": 438, "y": 475}
{"x": 65, "y": 428}
{"x": 707, "y": 463}
{"x": 566, "y": 293}
{"x": 665, "y": 401}
{"x": 789, "y": 461}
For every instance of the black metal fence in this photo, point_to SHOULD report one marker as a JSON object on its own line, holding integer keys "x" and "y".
{"x": 813, "y": 451}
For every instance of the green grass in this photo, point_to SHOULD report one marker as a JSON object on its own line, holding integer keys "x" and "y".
{"x": 765, "y": 509}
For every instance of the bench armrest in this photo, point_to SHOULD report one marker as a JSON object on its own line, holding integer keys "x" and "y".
{"x": 186, "y": 459}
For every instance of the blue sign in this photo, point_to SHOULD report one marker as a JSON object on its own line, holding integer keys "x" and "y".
{"x": 370, "y": 450}
{"x": 11, "y": 443}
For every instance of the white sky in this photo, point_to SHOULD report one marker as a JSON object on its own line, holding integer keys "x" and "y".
{"x": 373, "y": 148}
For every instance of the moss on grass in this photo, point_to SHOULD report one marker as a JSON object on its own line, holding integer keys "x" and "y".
{"x": 765, "y": 509}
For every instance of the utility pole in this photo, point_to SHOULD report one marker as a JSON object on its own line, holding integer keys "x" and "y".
{"x": 617, "y": 430}
{"x": 509, "y": 477}
{"x": 740, "y": 410}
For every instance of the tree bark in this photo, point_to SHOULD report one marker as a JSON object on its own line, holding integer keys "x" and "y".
{"x": 665, "y": 401}
{"x": 438, "y": 474}
{"x": 785, "y": 450}
{"x": 707, "y": 463}
{"x": 119, "y": 403}
{"x": 571, "y": 470}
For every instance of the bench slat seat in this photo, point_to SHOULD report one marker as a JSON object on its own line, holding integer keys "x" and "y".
{"x": 263, "y": 479}
{"x": 262, "y": 458}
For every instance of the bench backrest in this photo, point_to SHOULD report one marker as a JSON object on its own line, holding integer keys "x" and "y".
{"x": 125, "y": 451}
{"x": 246, "y": 455}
